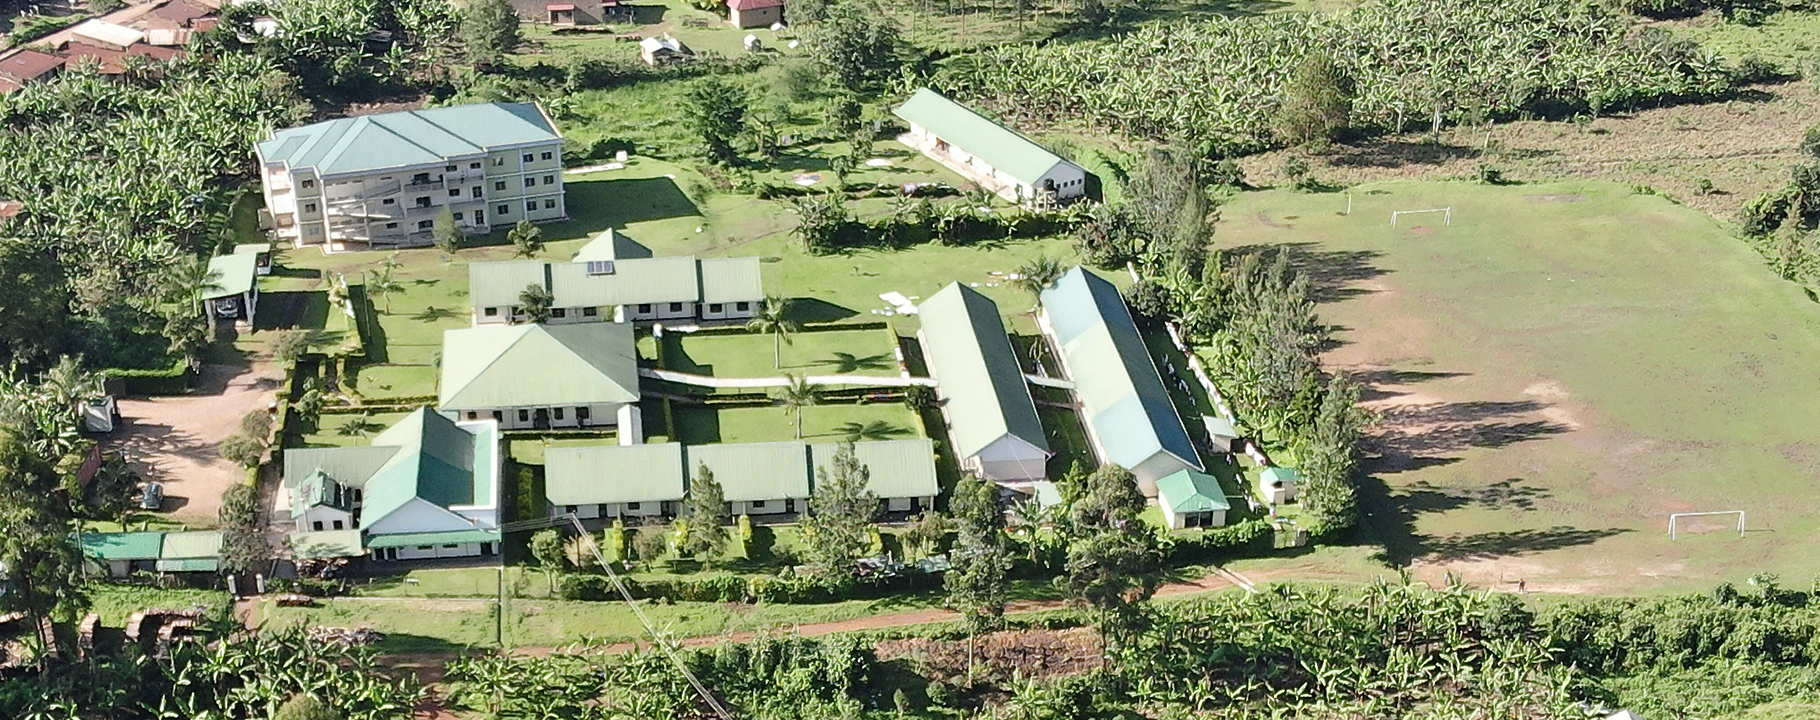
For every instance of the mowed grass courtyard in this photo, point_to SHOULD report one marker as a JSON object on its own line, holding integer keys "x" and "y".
{"x": 1558, "y": 371}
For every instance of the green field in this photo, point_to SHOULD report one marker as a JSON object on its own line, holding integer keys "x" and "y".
{"x": 845, "y": 352}
{"x": 1787, "y": 39}
{"x": 821, "y": 423}
{"x": 1556, "y": 372}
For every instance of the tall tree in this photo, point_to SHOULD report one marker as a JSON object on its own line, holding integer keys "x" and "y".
{"x": 1317, "y": 103}
{"x": 980, "y": 560}
{"x": 40, "y": 565}
{"x": 527, "y": 239}
{"x": 773, "y": 318}
{"x": 1329, "y": 456}
{"x": 856, "y": 43}
{"x": 1113, "y": 561}
{"x": 382, "y": 286}
{"x": 796, "y": 396}
{"x": 822, "y": 222}
{"x": 716, "y": 110}
{"x": 536, "y": 301}
{"x": 841, "y": 510}
{"x": 489, "y": 31}
{"x": 1038, "y": 274}
{"x": 546, "y": 549}
{"x": 706, "y": 509}
{"x": 447, "y": 233}
{"x": 243, "y": 546}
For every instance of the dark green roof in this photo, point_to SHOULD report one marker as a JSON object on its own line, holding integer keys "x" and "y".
{"x": 996, "y": 145}
{"x": 424, "y": 455}
{"x": 634, "y": 281}
{"x": 411, "y": 138}
{"x": 980, "y": 378}
{"x": 503, "y": 366}
{"x": 448, "y": 537}
{"x": 233, "y": 274}
{"x": 598, "y": 474}
{"x": 1121, "y": 393}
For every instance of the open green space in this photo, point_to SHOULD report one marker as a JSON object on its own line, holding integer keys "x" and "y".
{"x": 116, "y": 603}
{"x": 1787, "y": 39}
{"x": 820, "y": 423}
{"x": 848, "y": 352}
{"x": 329, "y": 432}
{"x": 1556, "y": 372}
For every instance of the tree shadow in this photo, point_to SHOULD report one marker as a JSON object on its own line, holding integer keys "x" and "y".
{"x": 1397, "y": 153}
{"x": 845, "y": 363}
{"x": 1331, "y": 274}
{"x": 1372, "y": 382}
{"x": 814, "y": 310}
{"x": 1390, "y": 517}
{"x": 433, "y": 314}
{"x": 1505, "y": 543}
{"x": 875, "y": 430}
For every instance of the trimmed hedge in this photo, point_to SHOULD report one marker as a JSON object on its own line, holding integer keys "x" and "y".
{"x": 177, "y": 379}
{"x": 734, "y": 588}
{"x": 1250, "y": 537}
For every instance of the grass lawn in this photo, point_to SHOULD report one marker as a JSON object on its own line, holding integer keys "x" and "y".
{"x": 1556, "y": 372}
{"x": 118, "y": 602}
{"x": 821, "y": 423}
{"x": 326, "y": 433}
{"x": 1787, "y": 39}
{"x": 846, "y": 352}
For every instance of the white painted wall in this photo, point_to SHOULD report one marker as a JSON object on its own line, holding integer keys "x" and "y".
{"x": 327, "y": 516}
{"x": 1010, "y": 458}
{"x": 418, "y": 516}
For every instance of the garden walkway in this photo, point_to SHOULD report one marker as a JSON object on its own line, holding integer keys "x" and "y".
{"x": 771, "y": 382}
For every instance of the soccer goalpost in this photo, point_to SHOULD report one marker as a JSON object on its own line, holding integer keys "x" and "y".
{"x": 1674, "y": 519}
{"x": 1446, "y": 214}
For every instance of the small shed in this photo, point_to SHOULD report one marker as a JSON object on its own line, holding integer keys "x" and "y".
{"x": 1190, "y": 498}
{"x": 104, "y": 34}
{"x": 1278, "y": 484}
{"x": 235, "y": 290}
{"x": 663, "y": 50}
{"x": 196, "y": 551}
{"x": 755, "y": 13}
{"x": 1222, "y": 433}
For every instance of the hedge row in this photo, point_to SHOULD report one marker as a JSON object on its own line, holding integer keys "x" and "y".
{"x": 175, "y": 379}
{"x": 733, "y": 588}
{"x": 1246, "y": 538}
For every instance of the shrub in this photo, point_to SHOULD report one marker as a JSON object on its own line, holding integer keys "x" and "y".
{"x": 1237, "y": 540}
{"x": 1489, "y": 174}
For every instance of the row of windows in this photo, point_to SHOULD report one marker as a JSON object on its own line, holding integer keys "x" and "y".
{"x": 317, "y": 525}
{"x": 530, "y": 205}
{"x": 582, "y": 414}
{"x": 644, "y": 308}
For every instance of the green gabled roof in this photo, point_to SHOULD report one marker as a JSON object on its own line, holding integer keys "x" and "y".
{"x": 505, "y": 366}
{"x": 326, "y": 544}
{"x": 191, "y": 545}
{"x": 1276, "y": 473}
{"x": 632, "y": 282}
{"x": 601, "y": 474}
{"x": 610, "y": 244}
{"x": 725, "y": 280}
{"x": 980, "y": 378}
{"x": 1121, "y": 392}
{"x": 895, "y": 468}
{"x": 996, "y": 145}
{"x": 447, "y": 537}
{"x": 233, "y": 274}
{"x": 495, "y": 284}
{"x": 436, "y": 460}
{"x": 755, "y": 471}
{"x": 123, "y": 546}
{"x": 402, "y": 139}
{"x": 350, "y": 466}
{"x": 1187, "y": 491}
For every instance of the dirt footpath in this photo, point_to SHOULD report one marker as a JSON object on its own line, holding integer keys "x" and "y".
{"x": 176, "y": 440}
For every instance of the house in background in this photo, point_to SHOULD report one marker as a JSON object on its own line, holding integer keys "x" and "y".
{"x": 380, "y": 181}
{"x": 755, "y": 13}
{"x": 663, "y": 50}
{"x": 565, "y": 13}
{"x": 984, "y": 398}
{"x": 542, "y": 376}
{"x": 658, "y": 289}
{"x": 27, "y": 65}
{"x": 988, "y": 154}
{"x": 613, "y": 481}
{"x": 1130, "y": 419}
{"x": 234, "y": 294}
{"x": 124, "y": 553}
{"x": 139, "y": 33}
{"x": 427, "y": 487}
{"x": 1190, "y": 498}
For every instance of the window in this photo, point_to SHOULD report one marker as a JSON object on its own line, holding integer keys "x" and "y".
{"x": 499, "y": 416}
{"x": 631, "y": 506}
{"x": 524, "y": 416}
{"x": 391, "y": 226}
{"x": 570, "y": 509}
{"x": 675, "y": 307}
{"x": 715, "y": 307}
{"x": 559, "y": 313}
{"x": 549, "y": 204}
{"x": 457, "y": 216}
{"x": 644, "y": 308}
{"x": 307, "y": 184}
{"x": 309, "y": 207}
{"x": 527, "y": 157}
{"x": 530, "y": 182}
{"x": 489, "y": 312}
{"x": 547, "y": 155}
{"x": 530, "y": 205}
{"x": 471, "y": 414}
{"x": 454, "y": 192}
{"x": 590, "y": 311}
{"x": 475, "y": 192}
{"x": 742, "y": 306}
{"x": 503, "y": 210}
{"x": 317, "y": 525}
{"x": 339, "y": 525}
{"x": 499, "y": 162}
{"x": 756, "y": 504}
{"x": 450, "y": 546}
{"x": 474, "y": 165}
{"x": 389, "y": 201}
{"x": 549, "y": 179}
{"x": 500, "y": 185}
{"x": 582, "y": 414}
{"x": 450, "y": 168}
{"x": 425, "y": 224}
{"x": 557, "y": 413}
{"x": 423, "y": 202}
{"x": 426, "y": 547}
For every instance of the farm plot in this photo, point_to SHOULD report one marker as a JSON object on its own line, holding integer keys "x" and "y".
{"x": 1556, "y": 372}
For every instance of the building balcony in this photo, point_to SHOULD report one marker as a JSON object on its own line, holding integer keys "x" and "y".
{"x": 354, "y": 193}
{"x": 370, "y": 211}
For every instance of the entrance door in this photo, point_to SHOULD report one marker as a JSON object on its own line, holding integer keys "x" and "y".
{"x": 541, "y": 419}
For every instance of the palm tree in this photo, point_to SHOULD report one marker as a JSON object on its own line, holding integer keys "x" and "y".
{"x": 536, "y": 301}
{"x": 1038, "y": 275}
{"x": 189, "y": 280}
{"x": 795, "y": 396}
{"x": 526, "y": 238}
{"x": 383, "y": 285}
{"x": 310, "y": 400}
{"x": 68, "y": 384}
{"x": 774, "y": 318}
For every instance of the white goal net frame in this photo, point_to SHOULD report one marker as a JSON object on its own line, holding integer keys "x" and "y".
{"x": 1674, "y": 530}
{"x": 1446, "y": 214}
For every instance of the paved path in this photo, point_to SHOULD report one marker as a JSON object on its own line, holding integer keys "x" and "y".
{"x": 770, "y": 382}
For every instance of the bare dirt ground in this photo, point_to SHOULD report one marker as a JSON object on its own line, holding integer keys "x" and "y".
{"x": 1743, "y": 147}
{"x": 176, "y": 440}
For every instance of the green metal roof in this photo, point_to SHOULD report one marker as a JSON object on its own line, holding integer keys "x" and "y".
{"x": 436, "y": 460}
{"x": 123, "y": 546}
{"x": 495, "y": 284}
{"x": 234, "y": 274}
{"x": 632, "y": 282}
{"x": 598, "y": 474}
{"x": 350, "y": 466}
{"x": 316, "y": 489}
{"x": 755, "y": 471}
{"x": 189, "y": 545}
{"x": 449, "y": 537}
{"x": 503, "y": 366}
{"x": 411, "y": 138}
{"x": 895, "y": 468}
{"x": 980, "y": 378}
{"x": 1187, "y": 491}
{"x": 725, "y": 280}
{"x": 189, "y": 565}
{"x": 610, "y": 244}
{"x": 326, "y": 544}
{"x": 1278, "y": 473}
{"x": 1121, "y": 392}
{"x": 1000, "y": 147}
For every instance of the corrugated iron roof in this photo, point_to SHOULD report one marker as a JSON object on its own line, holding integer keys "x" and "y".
{"x": 895, "y": 468}
{"x": 996, "y": 145}
{"x": 1186, "y": 491}
{"x": 599, "y": 474}
{"x": 414, "y": 137}
{"x": 755, "y": 471}
{"x": 504, "y": 366}
{"x": 978, "y": 373}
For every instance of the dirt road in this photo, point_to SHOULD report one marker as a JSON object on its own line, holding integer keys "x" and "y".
{"x": 176, "y": 440}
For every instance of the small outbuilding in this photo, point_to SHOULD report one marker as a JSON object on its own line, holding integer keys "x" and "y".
{"x": 663, "y": 50}
{"x": 1190, "y": 498}
{"x": 234, "y": 292}
{"x": 755, "y": 13}
{"x": 1222, "y": 433}
{"x": 1279, "y": 484}
{"x": 988, "y": 154}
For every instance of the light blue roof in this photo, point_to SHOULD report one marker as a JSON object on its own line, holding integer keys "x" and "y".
{"x": 409, "y": 138}
{"x": 1122, "y": 394}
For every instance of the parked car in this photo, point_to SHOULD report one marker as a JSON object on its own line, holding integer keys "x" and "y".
{"x": 153, "y": 497}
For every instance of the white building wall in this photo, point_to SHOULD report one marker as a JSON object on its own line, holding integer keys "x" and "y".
{"x": 323, "y": 517}
{"x": 769, "y": 507}
{"x": 1010, "y": 459}
{"x": 601, "y": 415}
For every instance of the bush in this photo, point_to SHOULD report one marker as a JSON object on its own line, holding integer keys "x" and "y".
{"x": 242, "y": 449}
{"x": 1489, "y": 174}
{"x": 1219, "y": 544}
{"x": 1754, "y": 69}
{"x": 173, "y": 379}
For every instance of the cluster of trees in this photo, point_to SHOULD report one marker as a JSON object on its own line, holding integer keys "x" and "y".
{"x": 342, "y": 51}
{"x": 825, "y": 226}
{"x": 1781, "y": 223}
{"x": 1409, "y": 61}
